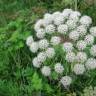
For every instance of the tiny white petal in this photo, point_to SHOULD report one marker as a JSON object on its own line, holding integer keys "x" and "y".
{"x": 66, "y": 81}
{"x": 29, "y": 40}
{"x": 46, "y": 71}
{"x": 40, "y": 33}
{"x": 67, "y": 46}
{"x": 81, "y": 45}
{"x": 74, "y": 35}
{"x": 59, "y": 68}
{"x": 93, "y": 31}
{"x": 81, "y": 57}
{"x": 50, "y": 29}
{"x": 43, "y": 44}
{"x": 89, "y": 39}
{"x": 50, "y": 52}
{"x": 41, "y": 57}
{"x": 91, "y": 64}
{"x": 63, "y": 28}
{"x": 79, "y": 69}
{"x": 93, "y": 50}
{"x": 34, "y": 47}
{"x": 70, "y": 57}
{"x": 85, "y": 20}
{"x": 55, "y": 40}
{"x": 36, "y": 63}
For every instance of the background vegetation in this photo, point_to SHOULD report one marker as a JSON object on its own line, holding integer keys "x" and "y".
{"x": 17, "y": 17}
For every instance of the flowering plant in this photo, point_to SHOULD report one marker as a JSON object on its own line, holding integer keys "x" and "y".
{"x": 64, "y": 46}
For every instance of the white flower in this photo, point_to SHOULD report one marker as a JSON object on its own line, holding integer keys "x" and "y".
{"x": 59, "y": 68}
{"x": 81, "y": 57}
{"x": 34, "y": 47}
{"x": 29, "y": 40}
{"x": 90, "y": 63}
{"x": 77, "y": 13}
{"x": 70, "y": 57}
{"x": 79, "y": 69}
{"x": 93, "y": 31}
{"x": 63, "y": 28}
{"x": 66, "y": 80}
{"x": 36, "y": 63}
{"x": 41, "y": 57}
{"x": 89, "y": 39}
{"x": 50, "y": 29}
{"x": 81, "y": 30}
{"x": 50, "y": 52}
{"x": 67, "y": 46}
{"x": 43, "y": 44}
{"x": 46, "y": 71}
{"x": 93, "y": 50}
{"x": 85, "y": 20}
{"x": 39, "y": 24}
{"x": 40, "y": 33}
{"x": 81, "y": 45}
{"x": 71, "y": 24}
{"x": 55, "y": 40}
{"x": 59, "y": 20}
{"x": 56, "y": 14}
{"x": 48, "y": 18}
{"x": 74, "y": 35}
{"x": 66, "y": 13}
{"x": 75, "y": 16}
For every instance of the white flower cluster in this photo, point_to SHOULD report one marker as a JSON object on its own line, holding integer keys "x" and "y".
{"x": 79, "y": 48}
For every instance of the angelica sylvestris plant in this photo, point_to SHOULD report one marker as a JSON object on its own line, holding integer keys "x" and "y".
{"x": 64, "y": 44}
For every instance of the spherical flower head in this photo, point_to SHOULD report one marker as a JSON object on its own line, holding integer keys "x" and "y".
{"x": 81, "y": 57}
{"x": 43, "y": 44}
{"x": 85, "y": 20}
{"x": 75, "y": 16}
{"x": 81, "y": 45}
{"x": 56, "y": 14}
{"x": 34, "y": 47}
{"x": 89, "y": 39}
{"x": 50, "y": 29}
{"x": 93, "y": 50}
{"x": 36, "y": 63}
{"x": 66, "y": 81}
{"x": 55, "y": 40}
{"x": 74, "y": 35}
{"x": 46, "y": 71}
{"x": 93, "y": 31}
{"x": 50, "y": 52}
{"x": 67, "y": 46}
{"x": 48, "y": 19}
{"x": 59, "y": 20}
{"x": 71, "y": 24}
{"x": 66, "y": 13}
{"x": 63, "y": 28}
{"x": 70, "y": 57}
{"x": 91, "y": 64}
{"x": 41, "y": 57}
{"x": 29, "y": 40}
{"x": 79, "y": 69}
{"x": 40, "y": 33}
{"x": 39, "y": 25}
{"x": 59, "y": 68}
{"x": 82, "y": 30}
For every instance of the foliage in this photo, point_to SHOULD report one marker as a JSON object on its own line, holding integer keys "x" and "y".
{"x": 17, "y": 77}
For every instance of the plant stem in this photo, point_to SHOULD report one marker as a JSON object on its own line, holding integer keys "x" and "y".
{"x": 76, "y": 5}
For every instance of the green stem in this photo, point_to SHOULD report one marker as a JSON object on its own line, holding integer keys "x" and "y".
{"x": 76, "y": 5}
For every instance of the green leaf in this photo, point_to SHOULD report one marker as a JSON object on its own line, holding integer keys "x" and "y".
{"x": 36, "y": 82}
